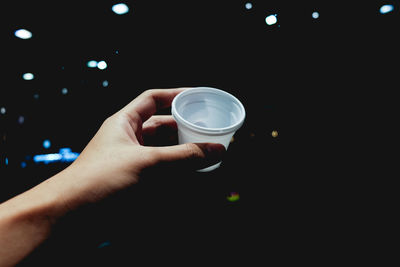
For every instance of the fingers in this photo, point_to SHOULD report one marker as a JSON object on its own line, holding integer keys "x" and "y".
{"x": 147, "y": 103}
{"x": 192, "y": 156}
{"x": 160, "y": 130}
{"x": 152, "y": 125}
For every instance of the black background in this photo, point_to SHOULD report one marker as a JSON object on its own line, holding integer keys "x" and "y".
{"x": 326, "y": 85}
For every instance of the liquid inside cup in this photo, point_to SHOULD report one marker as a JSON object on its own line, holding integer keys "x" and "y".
{"x": 206, "y": 114}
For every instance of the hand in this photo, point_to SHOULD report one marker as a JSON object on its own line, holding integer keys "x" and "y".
{"x": 116, "y": 157}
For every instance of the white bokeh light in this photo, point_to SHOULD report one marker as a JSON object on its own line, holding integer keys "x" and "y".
{"x": 102, "y": 65}
{"x": 386, "y": 9}
{"x": 271, "y": 19}
{"x": 2, "y": 110}
{"x": 23, "y": 34}
{"x": 28, "y": 76}
{"x": 315, "y": 15}
{"x": 120, "y": 8}
{"x": 249, "y": 5}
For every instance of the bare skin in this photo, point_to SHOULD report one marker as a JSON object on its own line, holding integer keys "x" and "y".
{"x": 114, "y": 159}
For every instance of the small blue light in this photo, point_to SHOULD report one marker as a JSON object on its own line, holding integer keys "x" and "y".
{"x": 92, "y": 64}
{"x": 315, "y": 15}
{"x": 23, "y": 164}
{"x": 6, "y": 161}
{"x": 46, "y": 144}
{"x": 386, "y": 9}
{"x": 105, "y": 83}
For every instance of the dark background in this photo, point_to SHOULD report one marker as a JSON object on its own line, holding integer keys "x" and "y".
{"x": 325, "y": 85}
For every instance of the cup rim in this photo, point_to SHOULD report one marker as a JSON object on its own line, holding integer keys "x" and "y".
{"x": 206, "y": 130}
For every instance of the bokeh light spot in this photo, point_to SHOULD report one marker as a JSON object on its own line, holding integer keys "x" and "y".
{"x": 271, "y": 19}
{"x": 120, "y": 9}
{"x": 233, "y": 197}
{"x": 23, "y": 34}
{"x": 46, "y": 144}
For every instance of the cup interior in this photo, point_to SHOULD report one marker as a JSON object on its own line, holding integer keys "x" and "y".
{"x": 206, "y": 108}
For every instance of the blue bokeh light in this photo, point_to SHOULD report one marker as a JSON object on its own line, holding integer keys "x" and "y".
{"x": 46, "y": 144}
{"x": 64, "y": 155}
{"x": 92, "y": 64}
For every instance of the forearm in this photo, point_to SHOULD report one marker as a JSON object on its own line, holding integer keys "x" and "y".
{"x": 26, "y": 220}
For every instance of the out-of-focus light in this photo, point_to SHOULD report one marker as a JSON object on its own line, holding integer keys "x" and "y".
{"x": 105, "y": 83}
{"x": 21, "y": 119}
{"x": 64, "y": 91}
{"x": 315, "y": 15}
{"x": 3, "y": 110}
{"x": 46, "y": 144}
{"x": 102, "y": 65}
{"x": 46, "y": 158}
{"x": 248, "y": 5}
{"x": 386, "y": 9}
{"x": 36, "y": 96}
{"x": 23, "y": 164}
{"x": 104, "y": 244}
{"x": 233, "y": 197}
{"x": 120, "y": 9}
{"x": 28, "y": 76}
{"x": 274, "y": 134}
{"x": 6, "y": 161}
{"x": 271, "y": 19}
{"x": 23, "y": 34}
{"x": 64, "y": 155}
{"x": 92, "y": 64}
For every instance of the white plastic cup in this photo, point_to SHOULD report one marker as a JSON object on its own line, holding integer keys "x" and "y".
{"x": 207, "y": 115}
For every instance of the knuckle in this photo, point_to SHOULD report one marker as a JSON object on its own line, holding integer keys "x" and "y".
{"x": 149, "y": 92}
{"x": 193, "y": 151}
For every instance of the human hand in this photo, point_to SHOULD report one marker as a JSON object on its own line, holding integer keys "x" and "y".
{"x": 117, "y": 156}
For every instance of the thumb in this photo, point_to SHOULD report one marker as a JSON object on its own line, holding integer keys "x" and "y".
{"x": 191, "y": 155}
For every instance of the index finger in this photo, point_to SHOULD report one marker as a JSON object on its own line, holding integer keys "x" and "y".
{"x": 148, "y": 102}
